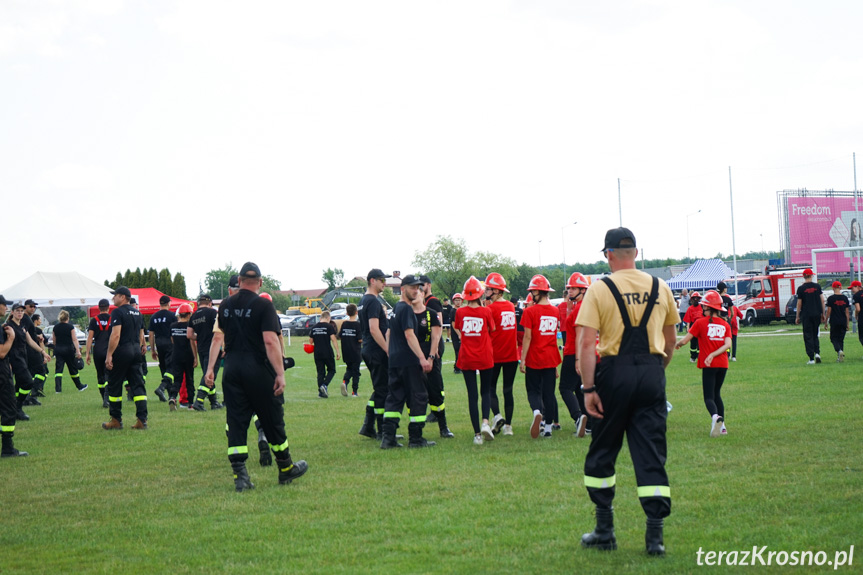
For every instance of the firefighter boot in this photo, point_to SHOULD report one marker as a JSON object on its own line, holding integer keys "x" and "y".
{"x": 379, "y": 418}
{"x": 198, "y": 404}
{"x": 21, "y": 416}
{"x": 602, "y": 537}
{"x": 388, "y": 437}
{"x": 288, "y": 470}
{"x": 264, "y": 447}
{"x": 242, "y": 482}
{"x": 160, "y": 392}
{"x": 105, "y": 403}
{"x": 368, "y": 428}
{"x": 58, "y": 383}
{"x": 441, "y": 421}
{"x": 653, "y": 537}
{"x": 415, "y": 436}
{"x": 9, "y": 448}
{"x": 113, "y": 423}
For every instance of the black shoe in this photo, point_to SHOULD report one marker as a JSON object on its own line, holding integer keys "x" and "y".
{"x": 602, "y": 537}
{"x": 216, "y": 405}
{"x": 83, "y": 387}
{"x": 242, "y": 482}
{"x": 421, "y": 442}
{"x": 198, "y": 406}
{"x": 369, "y": 431}
{"x": 446, "y": 433}
{"x": 322, "y": 392}
{"x": 389, "y": 442}
{"x": 298, "y": 469}
{"x": 653, "y": 538}
{"x": 14, "y": 453}
{"x": 431, "y": 417}
{"x": 266, "y": 457}
{"x": 31, "y": 401}
{"x": 21, "y": 416}
{"x": 160, "y": 393}
{"x": 105, "y": 402}
{"x": 456, "y": 370}
{"x": 38, "y": 393}
{"x": 555, "y": 427}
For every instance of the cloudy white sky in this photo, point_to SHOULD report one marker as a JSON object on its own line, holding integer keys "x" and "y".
{"x": 350, "y": 134}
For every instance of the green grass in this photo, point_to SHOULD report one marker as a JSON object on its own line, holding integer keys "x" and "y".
{"x": 789, "y": 475}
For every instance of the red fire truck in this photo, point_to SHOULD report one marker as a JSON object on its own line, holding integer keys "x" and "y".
{"x": 761, "y": 296}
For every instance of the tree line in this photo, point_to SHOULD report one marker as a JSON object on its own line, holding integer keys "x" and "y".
{"x": 162, "y": 280}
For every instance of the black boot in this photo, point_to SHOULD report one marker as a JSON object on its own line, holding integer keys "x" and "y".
{"x": 9, "y": 448}
{"x": 241, "y": 476}
{"x": 368, "y": 428}
{"x": 415, "y": 436}
{"x": 160, "y": 392}
{"x": 388, "y": 437}
{"x": 21, "y": 416}
{"x": 441, "y": 421}
{"x": 105, "y": 403}
{"x": 602, "y": 536}
{"x": 432, "y": 417}
{"x": 288, "y": 470}
{"x": 264, "y": 447}
{"x": 379, "y": 418}
{"x": 653, "y": 537}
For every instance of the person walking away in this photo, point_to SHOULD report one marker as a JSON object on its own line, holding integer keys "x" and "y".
{"x": 350, "y": 334}
{"x": 473, "y": 324}
{"x": 857, "y": 302}
{"x": 66, "y": 352}
{"x": 570, "y": 381}
{"x": 123, "y": 361}
{"x": 160, "y": 343}
{"x": 8, "y": 406}
{"x": 98, "y": 334}
{"x": 373, "y": 318}
{"x": 184, "y": 358}
{"x": 810, "y": 306}
{"x": 200, "y": 331}
{"x": 504, "y": 344}
{"x": 428, "y": 332}
{"x": 714, "y": 339}
{"x": 693, "y": 313}
{"x": 540, "y": 355}
{"x": 838, "y": 316}
{"x": 625, "y": 390}
{"x": 323, "y": 337}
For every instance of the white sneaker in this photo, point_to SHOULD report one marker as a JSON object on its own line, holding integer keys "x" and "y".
{"x": 486, "y": 432}
{"x": 841, "y": 355}
{"x": 716, "y": 426}
{"x": 733, "y": 359}
{"x": 344, "y": 388}
{"x": 477, "y": 439}
{"x": 546, "y": 430}
{"x": 692, "y": 360}
{"x": 497, "y": 423}
{"x": 507, "y": 429}
{"x": 537, "y": 422}
{"x": 810, "y": 362}
{"x": 580, "y": 425}
{"x": 817, "y": 358}
{"x": 723, "y": 431}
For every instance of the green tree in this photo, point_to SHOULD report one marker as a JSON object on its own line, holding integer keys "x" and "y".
{"x": 333, "y": 278}
{"x": 166, "y": 286}
{"x": 390, "y": 297}
{"x": 271, "y": 285}
{"x": 216, "y": 281}
{"x": 179, "y": 287}
{"x": 448, "y": 263}
{"x": 357, "y": 282}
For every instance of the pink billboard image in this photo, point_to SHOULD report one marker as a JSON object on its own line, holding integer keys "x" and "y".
{"x": 824, "y": 222}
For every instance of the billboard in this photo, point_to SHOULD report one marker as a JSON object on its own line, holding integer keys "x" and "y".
{"x": 826, "y": 221}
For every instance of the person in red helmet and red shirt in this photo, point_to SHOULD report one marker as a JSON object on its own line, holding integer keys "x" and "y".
{"x": 714, "y": 338}
{"x": 693, "y": 314}
{"x": 473, "y": 324}
{"x": 540, "y": 355}
{"x": 838, "y": 316}
{"x": 503, "y": 342}
{"x": 570, "y": 381}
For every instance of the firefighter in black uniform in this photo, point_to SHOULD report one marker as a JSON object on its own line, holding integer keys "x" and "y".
{"x": 254, "y": 376}
{"x": 373, "y": 318}
{"x": 18, "y": 357}
{"x": 8, "y": 407}
{"x": 429, "y": 331}
{"x": 35, "y": 365}
{"x": 123, "y": 361}
{"x": 435, "y": 377}
{"x": 160, "y": 343}
{"x": 98, "y": 333}
{"x": 635, "y": 316}
{"x": 810, "y": 305}
{"x": 184, "y": 358}
{"x": 200, "y": 330}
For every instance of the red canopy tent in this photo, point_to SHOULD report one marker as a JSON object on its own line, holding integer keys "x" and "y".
{"x": 148, "y": 302}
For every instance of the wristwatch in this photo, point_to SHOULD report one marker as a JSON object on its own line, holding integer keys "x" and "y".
{"x": 588, "y": 389}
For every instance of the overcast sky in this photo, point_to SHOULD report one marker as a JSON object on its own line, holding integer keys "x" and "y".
{"x": 349, "y": 135}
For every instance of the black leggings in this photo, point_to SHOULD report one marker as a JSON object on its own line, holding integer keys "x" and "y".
{"x": 509, "y": 370}
{"x": 485, "y": 391}
{"x": 712, "y": 379}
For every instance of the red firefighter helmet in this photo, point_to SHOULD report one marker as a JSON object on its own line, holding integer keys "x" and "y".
{"x": 713, "y": 300}
{"x": 472, "y": 289}
{"x": 578, "y": 280}
{"x": 496, "y": 281}
{"x": 184, "y": 308}
{"x": 309, "y": 347}
{"x": 695, "y": 294}
{"x": 456, "y": 296}
{"x": 539, "y": 282}
{"x": 265, "y": 295}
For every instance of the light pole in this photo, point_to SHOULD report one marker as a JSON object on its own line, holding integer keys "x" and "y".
{"x": 687, "y": 233}
{"x": 762, "y": 242}
{"x": 563, "y": 245}
{"x": 539, "y": 243}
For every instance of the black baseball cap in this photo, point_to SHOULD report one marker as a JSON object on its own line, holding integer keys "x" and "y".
{"x": 250, "y": 270}
{"x": 4, "y": 301}
{"x": 425, "y": 279}
{"x": 721, "y": 286}
{"x": 123, "y": 290}
{"x": 615, "y": 236}
{"x": 17, "y": 305}
{"x": 205, "y": 297}
{"x": 31, "y": 302}
{"x": 377, "y": 273}
{"x": 411, "y": 280}
{"x": 234, "y": 282}
{"x": 104, "y": 303}
{"x": 164, "y": 299}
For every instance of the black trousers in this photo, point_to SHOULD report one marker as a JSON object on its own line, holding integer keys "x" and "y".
{"x": 509, "y": 370}
{"x": 712, "y": 379}
{"x": 632, "y": 391}
{"x": 484, "y": 391}
{"x": 570, "y": 388}
{"x": 99, "y": 361}
{"x": 8, "y": 403}
{"x": 352, "y": 374}
{"x": 810, "y": 335}
{"x": 434, "y": 385}
{"x": 734, "y": 345}
{"x": 64, "y": 357}
{"x": 247, "y": 383}
{"x": 203, "y": 363}
{"x": 378, "y": 364}
{"x": 326, "y": 367}
{"x": 23, "y": 377}
{"x": 181, "y": 368}
{"x": 406, "y": 387}
{"x": 127, "y": 368}
{"x": 37, "y": 368}
{"x": 164, "y": 348}
{"x": 837, "y": 336}
{"x": 540, "y": 384}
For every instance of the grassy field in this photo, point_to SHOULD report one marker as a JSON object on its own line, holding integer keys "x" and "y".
{"x": 789, "y": 476}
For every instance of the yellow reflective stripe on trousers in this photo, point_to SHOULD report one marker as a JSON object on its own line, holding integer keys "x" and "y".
{"x": 56, "y": 375}
{"x": 170, "y": 376}
{"x": 379, "y": 411}
{"x": 371, "y": 404}
{"x": 115, "y": 399}
{"x": 7, "y": 428}
{"x": 203, "y": 388}
{"x": 281, "y": 447}
{"x": 599, "y": 482}
{"x": 40, "y": 377}
{"x": 654, "y": 491}
{"x": 236, "y": 450}
{"x": 139, "y": 398}
{"x": 392, "y": 415}
{"x": 418, "y": 418}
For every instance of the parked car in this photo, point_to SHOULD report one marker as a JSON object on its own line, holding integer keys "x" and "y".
{"x": 304, "y": 325}
{"x": 791, "y": 305}
{"x": 79, "y": 335}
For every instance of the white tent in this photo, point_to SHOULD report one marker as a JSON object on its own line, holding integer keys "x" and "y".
{"x": 58, "y": 289}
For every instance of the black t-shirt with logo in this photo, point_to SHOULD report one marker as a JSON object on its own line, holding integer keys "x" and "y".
{"x": 182, "y": 345}
{"x": 160, "y": 325}
{"x": 349, "y": 333}
{"x": 401, "y": 355}
{"x": 129, "y": 320}
{"x": 838, "y": 303}
{"x": 809, "y": 300}
{"x": 63, "y": 334}
{"x": 101, "y": 328}
{"x": 371, "y": 308}
{"x": 434, "y": 304}
{"x": 426, "y": 320}
{"x": 243, "y": 318}
{"x": 320, "y": 335}
{"x": 202, "y": 322}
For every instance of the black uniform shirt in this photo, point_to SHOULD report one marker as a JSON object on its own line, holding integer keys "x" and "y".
{"x": 401, "y": 355}
{"x": 18, "y": 354}
{"x": 101, "y": 328}
{"x": 320, "y": 335}
{"x": 838, "y": 304}
{"x": 63, "y": 333}
{"x": 182, "y": 346}
{"x": 448, "y": 313}
{"x": 349, "y": 333}
{"x": 128, "y": 319}
{"x": 425, "y": 321}
{"x": 371, "y": 308}
{"x": 436, "y": 307}
{"x": 30, "y": 327}
{"x": 4, "y": 363}
{"x": 857, "y": 298}
{"x": 809, "y": 299}
{"x": 160, "y": 325}
{"x": 243, "y": 318}
{"x": 202, "y": 322}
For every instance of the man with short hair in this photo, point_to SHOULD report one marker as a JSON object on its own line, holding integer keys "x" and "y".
{"x": 8, "y": 404}
{"x": 123, "y": 361}
{"x": 435, "y": 376}
{"x": 160, "y": 343}
{"x": 254, "y": 376}
{"x": 200, "y": 330}
{"x": 635, "y": 316}
{"x": 323, "y": 337}
{"x": 373, "y": 318}
{"x": 810, "y": 305}
{"x": 98, "y": 334}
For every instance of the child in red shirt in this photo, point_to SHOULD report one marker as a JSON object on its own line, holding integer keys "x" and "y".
{"x": 503, "y": 341}
{"x": 714, "y": 338}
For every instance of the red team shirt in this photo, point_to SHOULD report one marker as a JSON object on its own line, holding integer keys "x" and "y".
{"x": 711, "y": 336}
{"x": 541, "y": 320}
{"x": 692, "y": 314}
{"x": 474, "y": 324}
{"x": 569, "y": 329}
{"x": 503, "y": 339}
